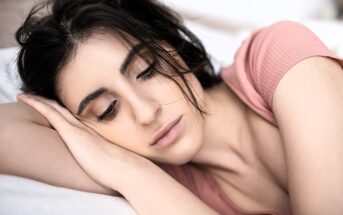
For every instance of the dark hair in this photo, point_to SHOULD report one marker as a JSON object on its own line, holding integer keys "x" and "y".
{"x": 48, "y": 39}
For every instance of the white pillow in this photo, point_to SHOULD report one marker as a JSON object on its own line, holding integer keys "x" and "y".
{"x": 9, "y": 79}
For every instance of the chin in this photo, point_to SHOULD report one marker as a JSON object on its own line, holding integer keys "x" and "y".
{"x": 182, "y": 153}
{"x": 175, "y": 161}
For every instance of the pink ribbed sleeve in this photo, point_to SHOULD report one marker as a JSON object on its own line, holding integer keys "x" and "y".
{"x": 265, "y": 56}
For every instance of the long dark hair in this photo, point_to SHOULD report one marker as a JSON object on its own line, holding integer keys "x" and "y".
{"x": 49, "y": 38}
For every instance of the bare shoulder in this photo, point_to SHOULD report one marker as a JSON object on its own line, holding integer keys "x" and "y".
{"x": 17, "y": 111}
{"x": 310, "y": 72}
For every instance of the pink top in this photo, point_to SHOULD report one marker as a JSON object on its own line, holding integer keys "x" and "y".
{"x": 259, "y": 64}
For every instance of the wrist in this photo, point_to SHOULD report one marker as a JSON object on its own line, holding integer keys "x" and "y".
{"x": 138, "y": 174}
{"x": 132, "y": 171}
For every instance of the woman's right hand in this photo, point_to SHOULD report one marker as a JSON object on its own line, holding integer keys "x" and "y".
{"x": 105, "y": 162}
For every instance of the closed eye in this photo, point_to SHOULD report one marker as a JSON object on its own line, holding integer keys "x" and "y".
{"x": 147, "y": 73}
{"x": 110, "y": 112}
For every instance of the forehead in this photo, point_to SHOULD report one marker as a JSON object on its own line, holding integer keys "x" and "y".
{"x": 96, "y": 62}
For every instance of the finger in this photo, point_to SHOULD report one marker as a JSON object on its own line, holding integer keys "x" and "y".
{"x": 51, "y": 114}
{"x": 63, "y": 111}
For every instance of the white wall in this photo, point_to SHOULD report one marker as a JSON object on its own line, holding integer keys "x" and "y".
{"x": 256, "y": 12}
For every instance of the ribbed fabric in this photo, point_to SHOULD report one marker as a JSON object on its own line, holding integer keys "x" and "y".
{"x": 259, "y": 64}
{"x": 265, "y": 57}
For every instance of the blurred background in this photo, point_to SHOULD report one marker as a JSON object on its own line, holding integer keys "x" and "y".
{"x": 220, "y": 25}
{"x": 228, "y": 15}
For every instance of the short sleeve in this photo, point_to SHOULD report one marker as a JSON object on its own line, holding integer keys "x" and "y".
{"x": 276, "y": 49}
{"x": 266, "y": 56}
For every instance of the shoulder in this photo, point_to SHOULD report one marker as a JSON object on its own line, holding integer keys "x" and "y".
{"x": 265, "y": 56}
{"x": 271, "y": 51}
{"x": 317, "y": 75}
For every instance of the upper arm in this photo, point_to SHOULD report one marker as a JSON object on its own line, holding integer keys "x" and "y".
{"x": 308, "y": 106}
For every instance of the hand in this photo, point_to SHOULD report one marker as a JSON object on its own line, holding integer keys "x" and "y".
{"x": 104, "y": 161}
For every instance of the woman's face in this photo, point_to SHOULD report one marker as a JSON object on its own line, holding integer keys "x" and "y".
{"x": 132, "y": 108}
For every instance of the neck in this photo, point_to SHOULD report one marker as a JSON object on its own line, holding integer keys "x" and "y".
{"x": 224, "y": 129}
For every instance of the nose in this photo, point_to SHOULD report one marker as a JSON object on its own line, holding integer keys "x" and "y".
{"x": 144, "y": 108}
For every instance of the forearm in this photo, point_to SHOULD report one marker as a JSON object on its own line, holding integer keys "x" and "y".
{"x": 29, "y": 149}
{"x": 152, "y": 191}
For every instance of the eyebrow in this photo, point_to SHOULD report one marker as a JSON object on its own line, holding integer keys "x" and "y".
{"x": 132, "y": 53}
{"x": 95, "y": 94}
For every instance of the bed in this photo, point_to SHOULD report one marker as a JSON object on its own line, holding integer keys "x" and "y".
{"x": 20, "y": 195}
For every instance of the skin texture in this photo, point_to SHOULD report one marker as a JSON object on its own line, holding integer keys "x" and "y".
{"x": 143, "y": 105}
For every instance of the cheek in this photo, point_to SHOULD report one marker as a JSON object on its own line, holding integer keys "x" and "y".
{"x": 197, "y": 91}
{"x": 123, "y": 135}
{"x": 170, "y": 88}
{"x": 196, "y": 87}
{"x": 107, "y": 131}
{"x": 120, "y": 133}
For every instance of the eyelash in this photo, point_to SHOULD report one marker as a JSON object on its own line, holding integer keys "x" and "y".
{"x": 147, "y": 73}
{"x": 110, "y": 111}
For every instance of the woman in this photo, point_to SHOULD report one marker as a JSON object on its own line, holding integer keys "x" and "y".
{"x": 128, "y": 89}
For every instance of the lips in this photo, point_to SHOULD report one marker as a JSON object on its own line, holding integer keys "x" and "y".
{"x": 164, "y": 130}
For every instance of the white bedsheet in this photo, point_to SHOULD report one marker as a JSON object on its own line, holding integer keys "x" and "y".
{"x": 21, "y": 196}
